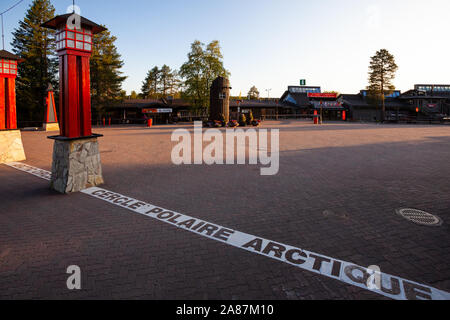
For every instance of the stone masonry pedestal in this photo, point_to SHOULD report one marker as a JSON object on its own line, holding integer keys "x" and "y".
{"x": 11, "y": 147}
{"x": 76, "y": 164}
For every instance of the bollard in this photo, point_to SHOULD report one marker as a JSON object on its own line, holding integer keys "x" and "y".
{"x": 344, "y": 116}
{"x": 149, "y": 123}
{"x": 316, "y": 118}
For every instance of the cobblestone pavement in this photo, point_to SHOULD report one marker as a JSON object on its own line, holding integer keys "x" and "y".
{"x": 336, "y": 194}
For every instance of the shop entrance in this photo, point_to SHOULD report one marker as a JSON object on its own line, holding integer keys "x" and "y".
{"x": 332, "y": 115}
{"x": 159, "y": 116}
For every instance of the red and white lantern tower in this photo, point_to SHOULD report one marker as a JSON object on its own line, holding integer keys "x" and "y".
{"x": 74, "y": 43}
{"x": 76, "y": 144}
{"x": 11, "y": 147}
{"x": 8, "y": 74}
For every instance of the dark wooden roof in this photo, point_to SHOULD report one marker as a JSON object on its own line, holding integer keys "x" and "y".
{"x": 62, "y": 19}
{"x": 301, "y": 99}
{"x": 152, "y": 103}
{"x": 8, "y": 55}
{"x": 180, "y": 103}
{"x": 176, "y": 103}
{"x": 255, "y": 103}
{"x": 356, "y": 100}
{"x": 415, "y": 94}
{"x": 140, "y": 103}
{"x": 359, "y": 101}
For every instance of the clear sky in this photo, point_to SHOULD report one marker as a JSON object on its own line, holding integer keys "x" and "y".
{"x": 275, "y": 43}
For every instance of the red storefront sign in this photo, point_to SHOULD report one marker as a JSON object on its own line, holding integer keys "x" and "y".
{"x": 322, "y": 95}
{"x": 157, "y": 110}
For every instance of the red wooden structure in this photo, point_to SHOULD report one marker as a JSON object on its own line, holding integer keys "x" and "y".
{"x": 74, "y": 47}
{"x": 8, "y": 74}
{"x": 51, "y": 116}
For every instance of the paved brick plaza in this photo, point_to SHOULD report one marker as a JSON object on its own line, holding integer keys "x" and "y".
{"x": 336, "y": 194}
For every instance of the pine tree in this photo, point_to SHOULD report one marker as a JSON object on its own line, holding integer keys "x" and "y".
{"x": 159, "y": 83}
{"x": 151, "y": 83}
{"x": 174, "y": 83}
{"x": 169, "y": 81}
{"x": 381, "y": 74}
{"x": 106, "y": 77}
{"x": 36, "y": 46}
{"x": 165, "y": 75}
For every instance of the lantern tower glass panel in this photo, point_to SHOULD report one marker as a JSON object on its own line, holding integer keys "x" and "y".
{"x": 8, "y": 67}
{"x": 74, "y": 39}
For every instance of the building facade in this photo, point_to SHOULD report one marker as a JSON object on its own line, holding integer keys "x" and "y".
{"x": 306, "y": 101}
{"x": 421, "y": 104}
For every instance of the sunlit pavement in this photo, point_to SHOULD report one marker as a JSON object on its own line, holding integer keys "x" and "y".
{"x": 336, "y": 193}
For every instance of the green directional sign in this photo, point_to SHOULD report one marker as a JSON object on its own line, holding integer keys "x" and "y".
{"x": 303, "y": 82}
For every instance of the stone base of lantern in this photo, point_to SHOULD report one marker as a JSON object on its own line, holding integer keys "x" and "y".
{"x": 11, "y": 146}
{"x": 76, "y": 164}
{"x": 51, "y": 127}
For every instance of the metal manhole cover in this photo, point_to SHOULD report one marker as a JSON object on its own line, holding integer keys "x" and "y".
{"x": 420, "y": 217}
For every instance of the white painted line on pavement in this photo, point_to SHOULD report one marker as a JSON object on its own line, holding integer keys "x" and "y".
{"x": 349, "y": 273}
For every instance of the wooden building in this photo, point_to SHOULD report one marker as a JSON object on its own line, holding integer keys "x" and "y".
{"x": 138, "y": 111}
{"x": 423, "y": 103}
{"x": 429, "y": 101}
{"x": 305, "y": 101}
{"x": 261, "y": 108}
{"x": 360, "y": 108}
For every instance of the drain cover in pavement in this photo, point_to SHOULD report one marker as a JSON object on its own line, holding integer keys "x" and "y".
{"x": 420, "y": 217}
